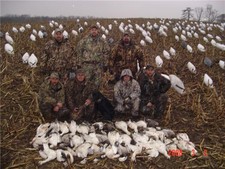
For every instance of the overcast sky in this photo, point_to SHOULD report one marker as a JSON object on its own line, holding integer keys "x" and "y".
{"x": 107, "y": 8}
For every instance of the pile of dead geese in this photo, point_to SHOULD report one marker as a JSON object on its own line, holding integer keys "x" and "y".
{"x": 63, "y": 141}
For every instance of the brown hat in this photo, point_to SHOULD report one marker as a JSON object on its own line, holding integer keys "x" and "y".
{"x": 94, "y": 26}
{"x": 58, "y": 30}
{"x": 80, "y": 70}
{"x": 54, "y": 75}
{"x": 149, "y": 67}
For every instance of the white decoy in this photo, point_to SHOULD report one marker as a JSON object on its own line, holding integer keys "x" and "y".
{"x": 142, "y": 42}
{"x": 218, "y": 38}
{"x": 51, "y": 154}
{"x": 25, "y": 57}
{"x": 122, "y": 125}
{"x": 81, "y": 29}
{"x": 191, "y": 67}
{"x": 103, "y": 37}
{"x": 205, "y": 39}
{"x": 9, "y": 49}
{"x": 8, "y": 38}
{"x": 148, "y": 39}
{"x": 177, "y": 38}
{"x": 40, "y": 34}
{"x": 32, "y": 60}
{"x": 177, "y": 84}
{"x": 189, "y": 48}
{"x": 220, "y": 46}
{"x": 196, "y": 35}
{"x": 201, "y": 48}
{"x": 213, "y": 42}
{"x": 210, "y": 36}
{"x": 222, "y": 64}
{"x": 172, "y": 51}
{"x": 208, "y": 81}
{"x": 34, "y": 31}
{"x": 158, "y": 61}
{"x": 132, "y": 125}
{"x": 75, "y": 33}
{"x": 15, "y": 30}
{"x": 85, "y": 23}
{"x": 65, "y": 34}
{"x": 28, "y": 26}
{"x": 32, "y": 37}
{"x": 183, "y": 37}
{"x": 166, "y": 54}
{"x": 22, "y": 29}
{"x": 165, "y": 76}
{"x": 51, "y": 25}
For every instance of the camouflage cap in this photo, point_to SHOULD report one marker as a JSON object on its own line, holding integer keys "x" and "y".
{"x": 149, "y": 67}
{"x": 58, "y": 30}
{"x": 94, "y": 26}
{"x": 54, "y": 75}
{"x": 80, "y": 70}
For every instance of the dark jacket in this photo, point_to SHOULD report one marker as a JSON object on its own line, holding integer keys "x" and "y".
{"x": 153, "y": 87}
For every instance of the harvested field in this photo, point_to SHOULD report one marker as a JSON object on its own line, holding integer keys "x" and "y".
{"x": 200, "y": 112}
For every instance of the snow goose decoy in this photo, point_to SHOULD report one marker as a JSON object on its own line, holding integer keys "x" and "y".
{"x": 158, "y": 61}
{"x": 191, "y": 67}
{"x": 177, "y": 84}
{"x": 208, "y": 81}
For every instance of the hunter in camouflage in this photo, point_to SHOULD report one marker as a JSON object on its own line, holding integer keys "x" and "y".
{"x": 92, "y": 55}
{"x": 127, "y": 94}
{"x": 125, "y": 56}
{"x": 153, "y": 91}
{"x": 79, "y": 96}
{"x": 59, "y": 56}
{"x": 52, "y": 99}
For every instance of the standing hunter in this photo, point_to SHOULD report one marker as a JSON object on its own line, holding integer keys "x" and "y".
{"x": 92, "y": 55}
{"x": 59, "y": 56}
{"x": 125, "y": 55}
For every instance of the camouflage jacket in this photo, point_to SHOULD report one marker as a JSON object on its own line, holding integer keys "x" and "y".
{"x": 49, "y": 94}
{"x": 153, "y": 87}
{"x": 122, "y": 90}
{"x": 58, "y": 57}
{"x": 77, "y": 92}
{"x": 126, "y": 57}
{"x": 94, "y": 50}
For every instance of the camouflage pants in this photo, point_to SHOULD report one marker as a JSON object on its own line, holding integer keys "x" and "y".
{"x": 49, "y": 115}
{"x": 93, "y": 72}
{"x": 159, "y": 102}
{"x": 133, "y": 106}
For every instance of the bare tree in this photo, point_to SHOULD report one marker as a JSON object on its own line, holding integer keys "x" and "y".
{"x": 199, "y": 12}
{"x": 187, "y": 13}
{"x": 210, "y": 13}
